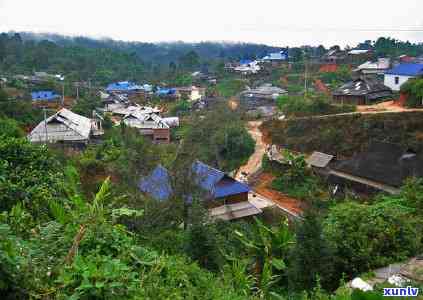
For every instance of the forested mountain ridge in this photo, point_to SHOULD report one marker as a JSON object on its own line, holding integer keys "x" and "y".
{"x": 82, "y": 58}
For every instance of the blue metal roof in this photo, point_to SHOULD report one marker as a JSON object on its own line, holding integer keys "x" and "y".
{"x": 44, "y": 95}
{"x": 157, "y": 185}
{"x": 213, "y": 181}
{"x": 206, "y": 176}
{"x": 123, "y": 86}
{"x": 229, "y": 186}
{"x": 245, "y": 61}
{"x": 166, "y": 91}
{"x": 407, "y": 70}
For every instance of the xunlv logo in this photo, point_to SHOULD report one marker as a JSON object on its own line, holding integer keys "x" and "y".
{"x": 405, "y": 291}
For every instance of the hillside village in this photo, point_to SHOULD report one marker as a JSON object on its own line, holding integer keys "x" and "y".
{"x": 289, "y": 172}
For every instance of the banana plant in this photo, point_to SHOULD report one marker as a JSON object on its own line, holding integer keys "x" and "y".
{"x": 267, "y": 250}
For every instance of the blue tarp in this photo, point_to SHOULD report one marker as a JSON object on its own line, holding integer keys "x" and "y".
{"x": 407, "y": 70}
{"x": 44, "y": 95}
{"x": 216, "y": 183}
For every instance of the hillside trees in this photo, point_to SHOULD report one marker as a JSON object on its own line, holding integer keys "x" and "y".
{"x": 414, "y": 91}
{"x": 29, "y": 175}
{"x": 220, "y": 139}
{"x": 370, "y": 236}
{"x": 19, "y": 110}
{"x": 312, "y": 257}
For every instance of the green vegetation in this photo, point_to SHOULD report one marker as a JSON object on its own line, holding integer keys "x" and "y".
{"x": 19, "y": 110}
{"x": 74, "y": 225}
{"x": 230, "y": 87}
{"x": 180, "y": 108}
{"x": 335, "y": 79}
{"x": 414, "y": 92}
{"x": 310, "y": 105}
{"x": 347, "y": 134}
{"x": 220, "y": 139}
{"x": 351, "y": 229}
{"x": 296, "y": 180}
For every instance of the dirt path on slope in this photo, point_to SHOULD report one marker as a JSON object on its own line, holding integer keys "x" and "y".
{"x": 263, "y": 188}
{"x": 254, "y": 162}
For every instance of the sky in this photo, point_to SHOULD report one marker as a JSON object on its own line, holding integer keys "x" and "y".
{"x": 273, "y": 22}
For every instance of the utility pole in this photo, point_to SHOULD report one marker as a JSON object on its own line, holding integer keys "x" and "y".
{"x": 63, "y": 94}
{"x": 77, "y": 92}
{"x": 45, "y": 124}
{"x": 305, "y": 73}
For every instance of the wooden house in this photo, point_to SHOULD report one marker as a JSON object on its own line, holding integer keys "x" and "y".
{"x": 361, "y": 91}
{"x": 218, "y": 187}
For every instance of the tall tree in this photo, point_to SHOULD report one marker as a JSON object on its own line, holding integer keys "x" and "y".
{"x": 311, "y": 258}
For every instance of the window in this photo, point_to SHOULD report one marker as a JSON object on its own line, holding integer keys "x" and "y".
{"x": 396, "y": 80}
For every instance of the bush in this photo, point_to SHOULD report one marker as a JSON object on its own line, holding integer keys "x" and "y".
{"x": 230, "y": 87}
{"x": 29, "y": 174}
{"x": 10, "y": 128}
{"x": 370, "y": 236}
{"x": 181, "y": 108}
{"x": 301, "y": 106}
{"x": 414, "y": 90}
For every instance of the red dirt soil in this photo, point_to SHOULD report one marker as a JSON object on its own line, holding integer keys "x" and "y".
{"x": 321, "y": 87}
{"x": 262, "y": 188}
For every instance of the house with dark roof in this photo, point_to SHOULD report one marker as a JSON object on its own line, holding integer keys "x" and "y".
{"x": 361, "y": 91}
{"x": 334, "y": 56}
{"x": 382, "y": 167}
{"x": 400, "y": 74}
{"x": 265, "y": 94}
{"x": 218, "y": 188}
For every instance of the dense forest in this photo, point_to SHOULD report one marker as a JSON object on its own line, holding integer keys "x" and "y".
{"x": 105, "y": 60}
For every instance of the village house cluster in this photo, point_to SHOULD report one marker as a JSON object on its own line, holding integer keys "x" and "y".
{"x": 374, "y": 79}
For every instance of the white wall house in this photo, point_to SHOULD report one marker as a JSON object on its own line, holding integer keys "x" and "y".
{"x": 400, "y": 74}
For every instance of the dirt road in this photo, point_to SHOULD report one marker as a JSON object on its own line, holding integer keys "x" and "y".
{"x": 291, "y": 205}
{"x": 254, "y": 163}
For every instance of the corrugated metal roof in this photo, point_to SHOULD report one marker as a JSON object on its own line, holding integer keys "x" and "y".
{"x": 234, "y": 211}
{"x": 359, "y": 51}
{"x": 380, "y": 64}
{"x": 245, "y": 62}
{"x": 143, "y": 120}
{"x": 362, "y": 87}
{"x": 124, "y": 86}
{"x": 319, "y": 160}
{"x": 407, "y": 70}
{"x": 281, "y": 55}
{"x": 213, "y": 181}
{"x": 385, "y": 163}
{"x": 44, "y": 95}
{"x": 165, "y": 91}
{"x": 157, "y": 185}
{"x": 77, "y": 123}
